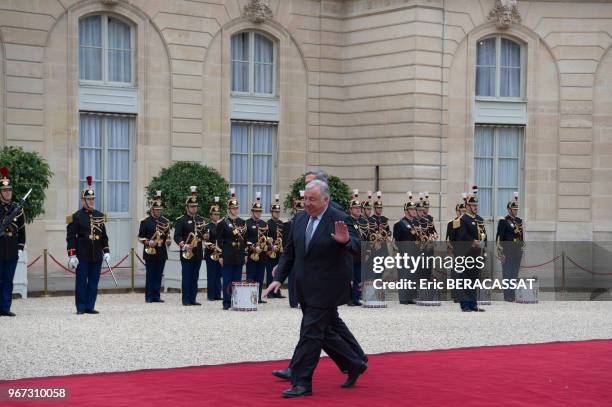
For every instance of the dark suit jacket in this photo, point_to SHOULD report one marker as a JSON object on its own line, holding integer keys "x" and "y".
{"x": 322, "y": 271}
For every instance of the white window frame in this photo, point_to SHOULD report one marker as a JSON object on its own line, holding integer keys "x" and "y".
{"x": 250, "y": 154}
{"x": 495, "y": 184}
{"x": 105, "y": 49}
{"x": 497, "y": 96}
{"x": 251, "y": 91}
{"x": 103, "y": 205}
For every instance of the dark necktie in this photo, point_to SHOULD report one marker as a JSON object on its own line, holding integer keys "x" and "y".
{"x": 309, "y": 229}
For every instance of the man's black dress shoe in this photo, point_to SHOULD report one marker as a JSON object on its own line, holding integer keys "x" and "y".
{"x": 80, "y": 312}
{"x": 262, "y": 302}
{"x": 353, "y": 376}
{"x": 91, "y": 311}
{"x": 467, "y": 309}
{"x": 159, "y": 301}
{"x": 195, "y": 303}
{"x": 478, "y": 309}
{"x": 408, "y": 302}
{"x": 297, "y": 391}
{"x": 226, "y": 307}
{"x": 7, "y": 314}
{"x": 284, "y": 374}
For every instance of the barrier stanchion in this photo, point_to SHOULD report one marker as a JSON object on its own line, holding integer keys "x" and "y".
{"x": 132, "y": 268}
{"x": 563, "y": 271}
{"x": 46, "y": 272}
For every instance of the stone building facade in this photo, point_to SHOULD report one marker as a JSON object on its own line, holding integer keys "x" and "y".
{"x": 396, "y": 95}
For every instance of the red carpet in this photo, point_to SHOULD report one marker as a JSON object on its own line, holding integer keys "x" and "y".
{"x": 552, "y": 374}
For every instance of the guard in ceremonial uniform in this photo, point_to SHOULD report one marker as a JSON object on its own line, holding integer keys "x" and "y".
{"x": 87, "y": 248}
{"x": 473, "y": 238}
{"x": 382, "y": 222}
{"x": 212, "y": 253}
{"x": 275, "y": 243}
{"x": 257, "y": 246}
{"x": 405, "y": 230}
{"x": 361, "y": 224}
{"x": 431, "y": 228}
{"x": 231, "y": 238}
{"x": 188, "y": 235}
{"x": 452, "y": 231}
{"x": 12, "y": 243}
{"x": 509, "y": 240}
{"x": 380, "y": 235}
{"x": 366, "y": 206}
{"x": 154, "y": 234}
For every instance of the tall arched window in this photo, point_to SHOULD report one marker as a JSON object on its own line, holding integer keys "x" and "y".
{"x": 106, "y": 50}
{"x": 253, "y": 64}
{"x": 499, "y": 68}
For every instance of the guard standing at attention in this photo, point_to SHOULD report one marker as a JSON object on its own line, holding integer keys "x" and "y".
{"x": 472, "y": 238}
{"x": 87, "y": 248}
{"x": 231, "y": 235}
{"x": 510, "y": 241}
{"x": 275, "y": 243}
{"x": 406, "y": 237}
{"x": 212, "y": 253}
{"x": 12, "y": 243}
{"x": 154, "y": 234}
{"x": 188, "y": 235}
{"x": 257, "y": 246}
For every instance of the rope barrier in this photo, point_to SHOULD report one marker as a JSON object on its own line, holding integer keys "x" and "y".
{"x": 72, "y": 272}
{"x": 139, "y": 259}
{"x": 35, "y": 260}
{"x": 584, "y": 269}
{"x": 116, "y": 265}
{"x": 540, "y": 265}
{"x": 61, "y": 265}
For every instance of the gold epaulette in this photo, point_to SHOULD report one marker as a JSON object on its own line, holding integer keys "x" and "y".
{"x": 68, "y": 219}
{"x": 145, "y": 218}
{"x": 456, "y": 223}
{"x": 179, "y": 217}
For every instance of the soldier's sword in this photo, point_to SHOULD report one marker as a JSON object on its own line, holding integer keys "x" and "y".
{"x": 112, "y": 274}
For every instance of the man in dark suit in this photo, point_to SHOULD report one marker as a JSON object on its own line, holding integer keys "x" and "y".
{"x": 316, "y": 250}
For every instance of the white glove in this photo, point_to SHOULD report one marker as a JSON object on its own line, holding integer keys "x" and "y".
{"x": 73, "y": 262}
{"x": 20, "y": 253}
{"x": 106, "y": 257}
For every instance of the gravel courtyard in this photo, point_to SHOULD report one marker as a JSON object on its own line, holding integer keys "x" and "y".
{"x": 47, "y": 338}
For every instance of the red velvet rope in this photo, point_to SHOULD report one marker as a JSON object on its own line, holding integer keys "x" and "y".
{"x": 34, "y": 261}
{"x": 584, "y": 269}
{"x": 61, "y": 265}
{"x": 72, "y": 272}
{"x": 116, "y": 265}
{"x": 140, "y": 260}
{"x": 540, "y": 265}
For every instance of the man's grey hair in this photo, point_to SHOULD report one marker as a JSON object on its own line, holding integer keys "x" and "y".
{"x": 319, "y": 174}
{"x": 322, "y": 187}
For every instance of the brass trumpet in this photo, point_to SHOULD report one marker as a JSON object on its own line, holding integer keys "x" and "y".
{"x": 262, "y": 243}
{"x": 212, "y": 246}
{"x": 192, "y": 241}
{"x": 158, "y": 242}
{"x": 278, "y": 242}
